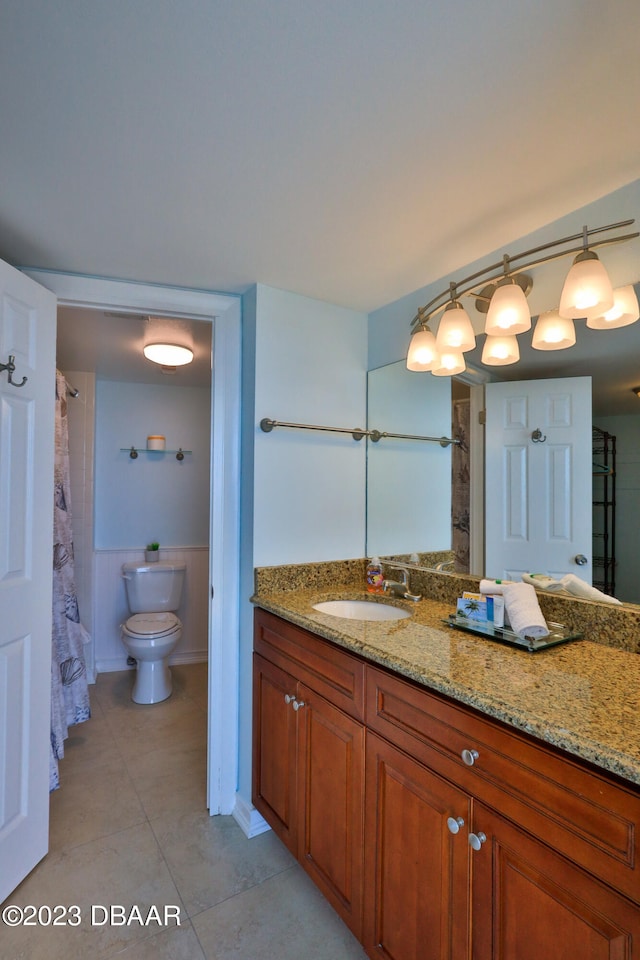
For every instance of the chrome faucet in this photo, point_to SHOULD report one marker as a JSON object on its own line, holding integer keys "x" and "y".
{"x": 400, "y": 588}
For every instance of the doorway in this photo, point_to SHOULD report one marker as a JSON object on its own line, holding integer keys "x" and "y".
{"x": 116, "y": 398}
{"x": 223, "y": 313}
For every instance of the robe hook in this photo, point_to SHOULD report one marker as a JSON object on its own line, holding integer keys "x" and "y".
{"x": 10, "y": 367}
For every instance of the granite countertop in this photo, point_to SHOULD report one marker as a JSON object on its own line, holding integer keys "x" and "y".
{"x": 580, "y": 696}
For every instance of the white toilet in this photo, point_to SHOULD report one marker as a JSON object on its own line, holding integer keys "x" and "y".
{"x": 152, "y": 632}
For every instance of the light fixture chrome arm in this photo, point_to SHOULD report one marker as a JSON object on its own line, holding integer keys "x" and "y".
{"x": 496, "y": 271}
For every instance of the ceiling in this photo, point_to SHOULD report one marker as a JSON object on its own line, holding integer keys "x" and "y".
{"x": 110, "y": 345}
{"x": 348, "y": 150}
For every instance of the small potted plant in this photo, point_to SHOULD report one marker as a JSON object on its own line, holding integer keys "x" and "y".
{"x": 152, "y": 553}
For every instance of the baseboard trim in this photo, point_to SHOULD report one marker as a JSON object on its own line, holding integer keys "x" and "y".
{"x": 248, "y": 819}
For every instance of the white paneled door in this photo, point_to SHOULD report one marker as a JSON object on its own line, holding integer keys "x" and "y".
{"x": 538, "y": 478}
{"x": 28, "y": 335}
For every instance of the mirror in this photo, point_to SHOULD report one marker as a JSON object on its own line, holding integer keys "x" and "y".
{"x": 409, "y": 488}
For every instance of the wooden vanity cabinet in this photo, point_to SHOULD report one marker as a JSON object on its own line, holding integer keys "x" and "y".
{"x": 542, "y": 835}
{"x": 416, "y": 869}
{"x": 529, "y": 902}
{"x": 308, "y": 756}
{"x": 439, "y": 834}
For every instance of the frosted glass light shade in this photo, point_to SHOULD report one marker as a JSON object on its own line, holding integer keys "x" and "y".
{"x": 450, "y": 363}
{"x": 587, "y": 291}
{"x": 508, "y": 311}
{"x": 423, "y": 353}
{"x": 168, "y": 354}
{"x": 624, "y": 311}
{"x": 500, "y": 351}
{"x": 455, "y": 331}
{"x": 553, "y": 332}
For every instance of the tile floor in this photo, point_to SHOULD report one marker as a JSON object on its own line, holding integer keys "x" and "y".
{"x": 129, "y": 826}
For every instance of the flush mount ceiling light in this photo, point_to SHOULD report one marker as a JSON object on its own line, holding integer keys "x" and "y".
{"x": 501, "y": 289}
{"x": 168, "y": 354}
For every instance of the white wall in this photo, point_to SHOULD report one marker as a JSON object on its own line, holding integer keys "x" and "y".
{"x": 154, "y": 497}
{"x": 303, "y": 492}
{"x": 309, "y": 487}
{"x": 626, "y": 430}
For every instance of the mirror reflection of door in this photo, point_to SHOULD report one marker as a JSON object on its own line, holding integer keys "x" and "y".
{"x": 538, "y": 478}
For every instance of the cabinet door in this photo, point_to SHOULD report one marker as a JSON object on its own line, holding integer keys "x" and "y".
{"x": 274, "y": 749}
{"x": 330, "y": 802}
{"x": 416, "y": 869}
{"x": 530, "y": 903}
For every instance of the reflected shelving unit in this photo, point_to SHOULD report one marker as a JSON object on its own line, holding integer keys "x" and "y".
{"x": 604, "y": 510}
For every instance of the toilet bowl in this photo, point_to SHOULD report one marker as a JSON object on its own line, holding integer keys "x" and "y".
{"x": 153, "y": 631}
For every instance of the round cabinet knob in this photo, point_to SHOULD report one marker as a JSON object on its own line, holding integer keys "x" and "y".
{"x": 469, "y": 757}
{"x": 288, "y": 698}
{"x": 297, "y": 704}
{"x": 454, "y": 824}
{"x": 581, "y": 560}
{"x": 477, "y": 839}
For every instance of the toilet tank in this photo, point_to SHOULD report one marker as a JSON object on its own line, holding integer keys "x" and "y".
{"x": 153, "y": 587}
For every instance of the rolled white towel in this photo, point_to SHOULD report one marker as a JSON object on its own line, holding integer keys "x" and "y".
{"x": 523, "y": 610}
{"x": 580, "y": 588}
{"x": 493, "y": 587}
{"x": 542, "y": 582}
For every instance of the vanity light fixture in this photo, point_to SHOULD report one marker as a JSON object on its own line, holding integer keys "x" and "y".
{"x": 500, "y": 291}
{"x": 448, "y": 364}
{"x": 553, "y": 332}
{"x": 455, "y": 330}
{"x": 500, "y": 351}
{"x": 624, "y": 311}
{"x": 168, "y": 354}
{"x": 508, "y": 311}
{"x": 587, "y": 291}
{"x": 423, "y": 352}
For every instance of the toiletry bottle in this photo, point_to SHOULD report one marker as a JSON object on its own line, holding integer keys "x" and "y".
{"x": 375, "y": 576}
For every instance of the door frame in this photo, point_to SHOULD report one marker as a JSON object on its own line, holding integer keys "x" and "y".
{"x": 224, "y": 312}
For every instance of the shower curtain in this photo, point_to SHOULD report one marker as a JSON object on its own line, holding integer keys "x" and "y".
{"x": 69, "y": 688}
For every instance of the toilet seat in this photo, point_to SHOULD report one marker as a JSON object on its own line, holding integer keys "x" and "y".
{"x": 152, "y": 624}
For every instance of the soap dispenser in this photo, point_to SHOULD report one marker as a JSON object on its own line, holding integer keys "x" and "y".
{"x": 375, "y": 577}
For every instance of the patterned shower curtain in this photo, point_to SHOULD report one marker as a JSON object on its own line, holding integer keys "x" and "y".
{"x": 69, "y": 689}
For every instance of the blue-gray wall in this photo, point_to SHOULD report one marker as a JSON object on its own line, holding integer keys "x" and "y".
{"x": 154, "y": 497}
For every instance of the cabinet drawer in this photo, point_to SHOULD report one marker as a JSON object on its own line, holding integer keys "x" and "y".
{"x": 324, "y": 667}
{"x": 588, "y": 816}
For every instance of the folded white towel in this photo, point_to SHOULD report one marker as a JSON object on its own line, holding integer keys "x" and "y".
{"x": 580, "y": 588}
{"x": 523, "y": 610}
{"x": 493, "y": 587}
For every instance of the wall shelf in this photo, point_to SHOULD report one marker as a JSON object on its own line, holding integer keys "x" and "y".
{"x": 134, "y": 452}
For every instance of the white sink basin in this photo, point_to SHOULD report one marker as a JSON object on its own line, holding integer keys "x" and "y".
{"x": 361, "y": 610}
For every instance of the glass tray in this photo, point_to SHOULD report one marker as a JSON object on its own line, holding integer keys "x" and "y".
{"x": 558, "y": 634}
